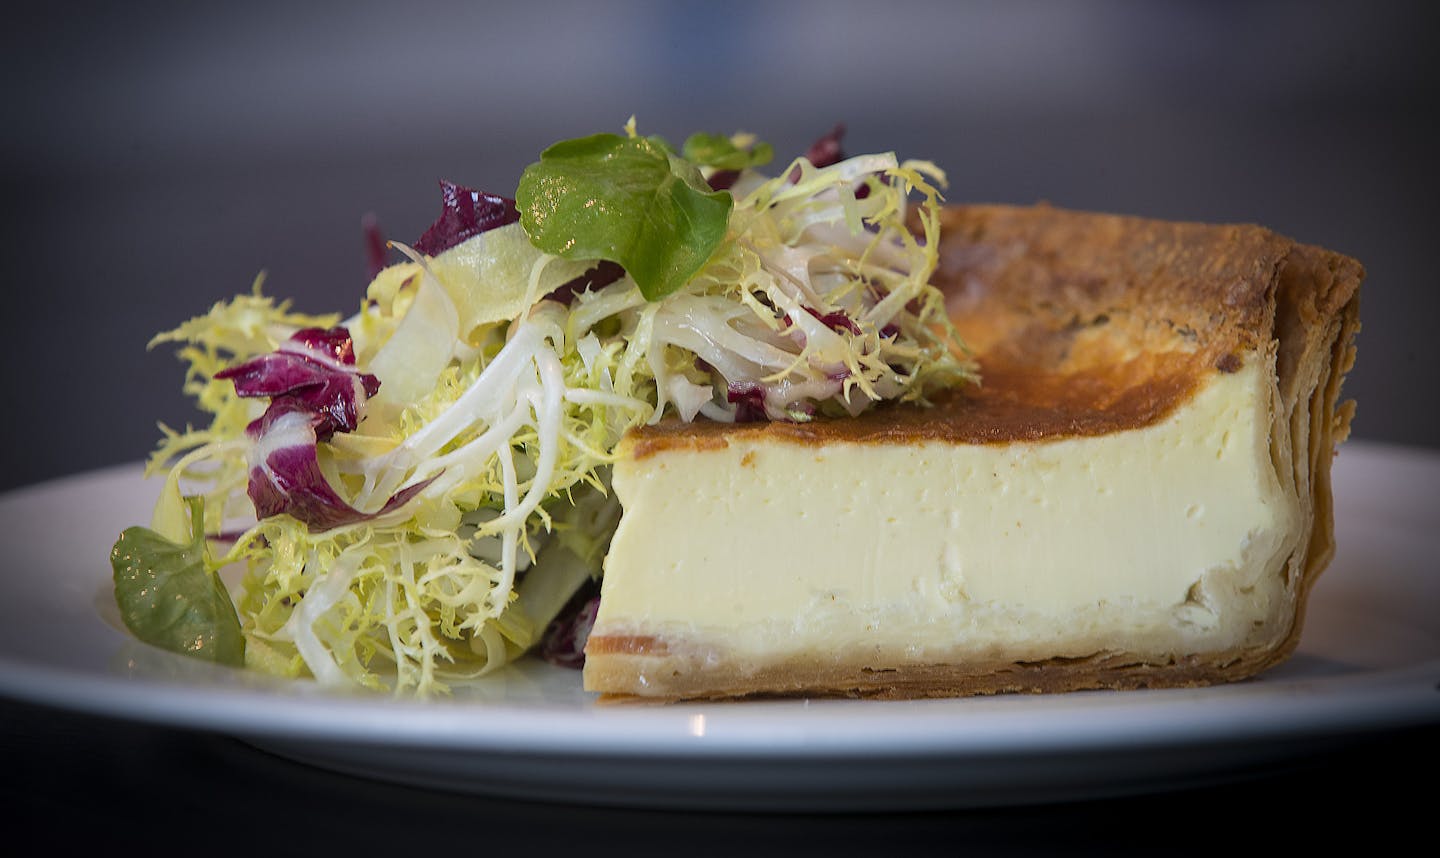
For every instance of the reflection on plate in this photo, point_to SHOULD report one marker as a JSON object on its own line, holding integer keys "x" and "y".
{"x": 1369, "y": 661}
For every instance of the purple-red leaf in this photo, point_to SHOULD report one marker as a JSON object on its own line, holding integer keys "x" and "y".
{"x": 598, "y": 277}
{"x": 375, "y": 247}
{"x": 723, "y": 180}
{"x": 838, "y": 321}
{"x": 824, "y": 151}
{"x": 332, "y": 343}
{"x": 465, "y": 213}
{"x": 564, "y": 641}
{"x": 290, "y": 481}
{"x": 311, "y": 372}
{"x": 314, "y": 392}
{"x": 749, "y": 399}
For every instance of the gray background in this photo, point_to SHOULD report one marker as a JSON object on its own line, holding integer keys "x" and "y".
{"x": 154, "y": 157}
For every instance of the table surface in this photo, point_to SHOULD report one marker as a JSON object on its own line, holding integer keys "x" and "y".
{"x": 75, "y": 780}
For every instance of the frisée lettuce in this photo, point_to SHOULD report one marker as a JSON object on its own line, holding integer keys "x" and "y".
{"x": 416, "y": 492}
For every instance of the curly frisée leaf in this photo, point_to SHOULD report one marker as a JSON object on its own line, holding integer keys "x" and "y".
{"x": 170, "y": 598}
{"x": 626, "y": 200}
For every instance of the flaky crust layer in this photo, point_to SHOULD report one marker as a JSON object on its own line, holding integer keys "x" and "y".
{"x": 1083, "y": 324}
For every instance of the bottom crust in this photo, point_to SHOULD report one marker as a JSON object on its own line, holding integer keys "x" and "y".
{"x": 673, "y": 678}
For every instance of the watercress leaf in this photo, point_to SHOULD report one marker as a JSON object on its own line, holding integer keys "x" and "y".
{"x": 167, "y": 597}
{"x": 625, "y": 200}
{"x": 720, "y": 152}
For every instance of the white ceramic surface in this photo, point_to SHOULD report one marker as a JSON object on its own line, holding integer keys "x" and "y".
{"x": 1369, "y": 661}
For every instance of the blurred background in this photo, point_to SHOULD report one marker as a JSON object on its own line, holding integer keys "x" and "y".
{"x": 154, "y": 156}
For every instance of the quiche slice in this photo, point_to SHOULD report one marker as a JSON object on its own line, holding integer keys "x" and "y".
{"x": 1137, "y": 494}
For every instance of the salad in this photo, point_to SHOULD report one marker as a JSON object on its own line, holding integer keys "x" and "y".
{"x": 417, "y": 491}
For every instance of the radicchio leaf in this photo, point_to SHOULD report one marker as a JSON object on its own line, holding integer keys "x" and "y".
{"x": 314, "y": 392}
{"x": 564, "y": 641}
{"x": 824, "y": 151}
{"x": 749, "y": 399}
{"x": 331, "y": 343}
{"x": 598, "y": 277}
{"x": 723, "y": 180}
{"x": 375, "y": 247}
{"x": 288, "y": 480}
{"x": 838, "y": 321}
{"x": 310, "y": 372}
{"x": 466, "y": 213}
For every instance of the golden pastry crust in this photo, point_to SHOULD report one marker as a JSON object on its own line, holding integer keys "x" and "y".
{"x": 1083, "y": 324}
{"x": 1015, "y": 276}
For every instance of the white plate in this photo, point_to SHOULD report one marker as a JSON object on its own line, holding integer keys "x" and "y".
{"x": 1369, "y": 661}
